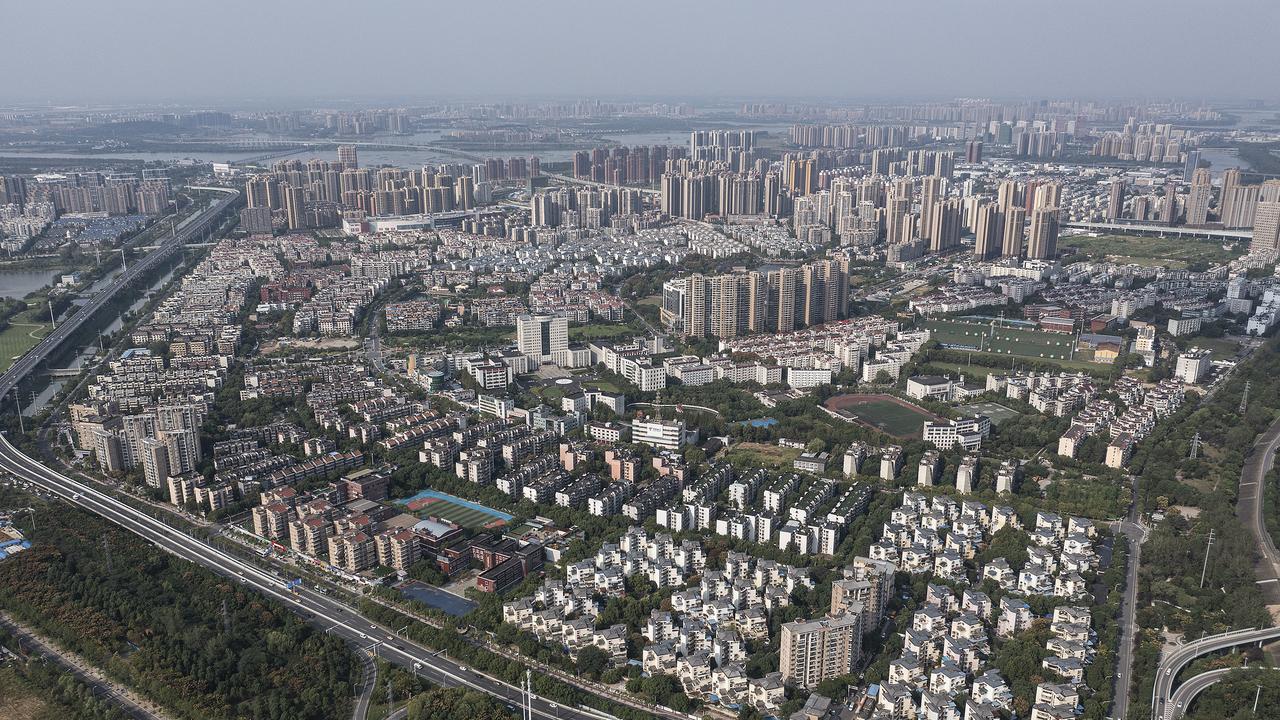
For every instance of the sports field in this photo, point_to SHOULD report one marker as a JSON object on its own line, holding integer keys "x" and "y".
{"x": 17, "y": 339}
{"x": 455, "y": 510}
{"x": 885, "y": 413}
{"x": 997, "y": 412}
{"x": 1002, "y": 337}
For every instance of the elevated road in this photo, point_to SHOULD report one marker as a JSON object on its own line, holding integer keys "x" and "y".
{"x": 1253, "y": 474}
{"x": 321, "y": 610}
{"x": 1188, "y": 691}
{"x": 1158, "y": 230}
{"x": 1174, "y": 661}
{"x": 190, "y": 228}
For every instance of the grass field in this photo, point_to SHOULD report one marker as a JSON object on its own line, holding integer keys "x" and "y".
{"x": 1007, "y": 341}
{"x": 997, "y": 412}
{"x": 17, "y": 339}
{"x": 885, "y": 413}
{"x": 455, "y": 510}
{"x": 600, "y": 331}
{"x": 1223, "y": 348}
{"x": 1143, "y": 250}
{"x": 762, "y": 455}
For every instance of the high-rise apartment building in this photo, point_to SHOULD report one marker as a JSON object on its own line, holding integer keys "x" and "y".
{"x": 347, "y": 157}
{"x": 1266, "y": 228}
{"x": 816, "y": 650}
{"x": 1199, "y": 196}
{"x": 1042, "y": 241}
{"x": 1115, "y": 200}
{"x": 1014, "y": 222}
{"x": 988, "y": 232}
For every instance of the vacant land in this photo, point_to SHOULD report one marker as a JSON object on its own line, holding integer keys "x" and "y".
{"x": 885, "y": 413}
{"x": 762, "y": 455}
{"x": 1142, "y": 250}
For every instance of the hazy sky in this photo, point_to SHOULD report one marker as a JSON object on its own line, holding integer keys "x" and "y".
{"x": 68, "y": 51}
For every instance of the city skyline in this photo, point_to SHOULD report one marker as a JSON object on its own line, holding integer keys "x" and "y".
{"x": 908, "y": 50}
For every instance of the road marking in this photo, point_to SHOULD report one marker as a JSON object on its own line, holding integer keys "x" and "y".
{"x": 1247, "y": 484}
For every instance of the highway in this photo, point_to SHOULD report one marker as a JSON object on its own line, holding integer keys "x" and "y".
{"x": 1134, "y": 534}
{"x": 321, "y": 610}
{"x": 192, "y": 227}
{"x": 1173, "y": 661}
{"x": 1155, "y": 229}
{"x": 1191, "y": 688}
{"x": 1249, "y": 510}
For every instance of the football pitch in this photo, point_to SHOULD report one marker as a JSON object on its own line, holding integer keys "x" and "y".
{"x": 455, "y": 510}
{"x": 1002, "y": 337}
{"x": 886, "y": 413}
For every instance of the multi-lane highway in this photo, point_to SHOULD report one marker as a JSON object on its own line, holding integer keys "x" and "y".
{"x": 1174, "y": 661}
{"x": 321, "y": 610}
{"x": 1249, "y": 510}
{"x": 190, "y": 228}
{"x": 1134, "y": 534}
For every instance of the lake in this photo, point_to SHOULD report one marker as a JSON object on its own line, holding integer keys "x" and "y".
{"x": 19, "y": 283}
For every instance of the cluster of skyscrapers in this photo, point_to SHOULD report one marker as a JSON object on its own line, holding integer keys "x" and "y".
{"x": 775, "y": 301}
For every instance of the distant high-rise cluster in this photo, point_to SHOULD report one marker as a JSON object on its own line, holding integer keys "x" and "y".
{"x": 1145, "y": 142}
{"x": 640, "y": 165}
{"x": 317, "y": 193}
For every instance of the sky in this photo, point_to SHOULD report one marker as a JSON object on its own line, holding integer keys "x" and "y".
{"x": 293, "y": 51}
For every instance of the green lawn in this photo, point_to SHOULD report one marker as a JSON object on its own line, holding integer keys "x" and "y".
{"x": 600, "y": 331}
{"x": 986, "y": 340}
{"x": 17, "y": 339}
{"x": 1143, "y": 250}
{"x": 1223, "y": 348}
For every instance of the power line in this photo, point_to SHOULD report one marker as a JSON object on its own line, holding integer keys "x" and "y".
{"x": 1205, "y": 568}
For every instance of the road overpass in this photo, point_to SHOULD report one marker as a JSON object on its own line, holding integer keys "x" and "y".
{"x": 190, "y": 228}
{"x": 1174, "y": 661}
{"x": 1188, "y": 690}
{"x": 1158, "y": 230}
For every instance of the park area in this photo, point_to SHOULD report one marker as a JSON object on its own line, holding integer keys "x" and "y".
{"x": 886, "y": 413}
{"x": 455, "y": 510}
